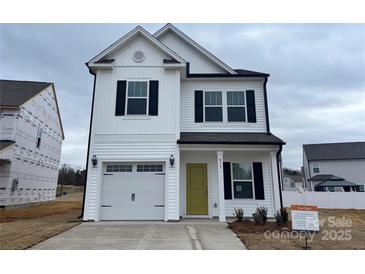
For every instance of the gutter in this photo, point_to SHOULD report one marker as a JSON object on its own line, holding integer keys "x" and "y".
{"x": 266, "y": 108}
{"x": 88, "y": 144}
{"x": 278, "y": 153}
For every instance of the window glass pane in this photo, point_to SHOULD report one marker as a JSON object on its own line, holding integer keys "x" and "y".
{"x": 137, "y": 89}
{"x": 242, "y": 171}
{"x": 137, "y": 106}
{"x": 150, "y": 168}
{"x": 213, "y": 98}
{"x": 235, "y": 98}
{"x": 242, "y": 190}
{"x": 213, "y": 114}
{"x": 144, "y": 89}
{"x": 236, "y": 114}
{"x": 119, "y": 168}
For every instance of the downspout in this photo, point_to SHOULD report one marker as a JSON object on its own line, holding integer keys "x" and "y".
{"x": 278, "y": 153}
{"x": 310, "y": 175}
{"x": 266, "y": 108}
{"x": 88, "y": 144}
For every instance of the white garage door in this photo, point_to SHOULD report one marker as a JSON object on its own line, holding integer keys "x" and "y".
{"x": 133, "y": 191}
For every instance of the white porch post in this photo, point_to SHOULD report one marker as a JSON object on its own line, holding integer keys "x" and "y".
{"x": 275, "y": 180}
{"x": 222, "y": 213}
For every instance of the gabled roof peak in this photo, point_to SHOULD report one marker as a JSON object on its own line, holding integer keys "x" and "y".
{"x": 137, "y": 30}
{"x": 170, "y": 27}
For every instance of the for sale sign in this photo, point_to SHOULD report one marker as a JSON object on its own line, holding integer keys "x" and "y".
{"x": 304, "y": 217}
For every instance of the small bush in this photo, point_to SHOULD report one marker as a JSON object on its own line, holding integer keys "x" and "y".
{"x": 281, "y": 217}
{"x": 260, "y": 216}
{"x": 238, "y": 213}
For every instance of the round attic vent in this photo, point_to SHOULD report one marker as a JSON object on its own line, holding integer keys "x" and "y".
{"x": 138, "y": 56}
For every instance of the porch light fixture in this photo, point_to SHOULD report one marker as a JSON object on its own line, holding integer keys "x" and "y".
{"x": 172, "y": 160}
{"x": 94, "y": 160}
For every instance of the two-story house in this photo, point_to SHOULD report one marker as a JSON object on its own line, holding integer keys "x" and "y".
{"x": 31, "y": 138}
{"x": 177, "y": 133}
{"x": 334, "y": 166}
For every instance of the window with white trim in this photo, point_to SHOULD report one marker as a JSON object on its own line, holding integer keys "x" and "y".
{"x": 213, "y": 107}
{"x": 242, "y": 181}
{"x": 315, "y": 167}
{"x": 119, "y": 168}
{"x": 236, "y": 106}
{"x": 149, "y": 168}
{"x": 137, "y": 98}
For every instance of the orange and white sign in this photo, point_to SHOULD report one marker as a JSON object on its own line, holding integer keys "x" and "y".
{"x": 304, "y": 217}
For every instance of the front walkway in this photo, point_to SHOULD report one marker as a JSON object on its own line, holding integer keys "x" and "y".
{"x": 187, "y": 234}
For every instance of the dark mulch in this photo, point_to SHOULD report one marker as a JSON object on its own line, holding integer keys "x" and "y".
{"x": 248, "y": 226}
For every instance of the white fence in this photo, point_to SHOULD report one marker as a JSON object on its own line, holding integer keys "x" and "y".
{"x": 341, "y": 200}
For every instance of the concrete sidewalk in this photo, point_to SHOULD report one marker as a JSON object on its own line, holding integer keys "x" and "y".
{"x": 184, "y": 235}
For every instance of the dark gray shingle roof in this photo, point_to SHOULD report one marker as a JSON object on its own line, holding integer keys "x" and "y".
{"x": 251, "y": 72}
{"x": 335, "y": 183}
{"x": 335, "y": 151}
{"x": 5, "y": 144}
{"x": 15, "y": 93}
{"x": 228, "y": 138}
{"x": 324, "y": 177}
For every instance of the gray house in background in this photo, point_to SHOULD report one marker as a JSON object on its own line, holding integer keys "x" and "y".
{"x": 334, "y": 166}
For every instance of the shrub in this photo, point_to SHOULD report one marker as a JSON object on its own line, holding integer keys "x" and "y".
{"x": 238, "y": 213}
{"x": 260, "y": 216}
{"x": 281, "y": 217}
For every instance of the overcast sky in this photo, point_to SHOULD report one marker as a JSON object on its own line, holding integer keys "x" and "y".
{"x": 316, "y": 90}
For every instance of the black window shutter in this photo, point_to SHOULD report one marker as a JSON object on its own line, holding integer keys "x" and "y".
{"x": 227, "y": 181}
{"x": 198, "y": 106}
{"x": 153, "y": 98}
{"x": 258, "y": 181}
{"x": 120, "y": 101}
{"x": 251, "y": 107}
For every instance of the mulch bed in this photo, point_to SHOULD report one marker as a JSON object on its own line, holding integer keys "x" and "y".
{"x": 248, "y": 226}
{"x": 330, "y": 237}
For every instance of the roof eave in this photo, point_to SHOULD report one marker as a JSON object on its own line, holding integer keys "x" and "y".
{"x": 227, "y": 143}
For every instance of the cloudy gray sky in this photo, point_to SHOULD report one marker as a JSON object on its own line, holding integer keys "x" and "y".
{"x": 316, "y": 89}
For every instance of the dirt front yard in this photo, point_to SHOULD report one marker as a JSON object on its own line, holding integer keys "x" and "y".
{"x": 24, "y": 227}
{"x": 339, "y": 229}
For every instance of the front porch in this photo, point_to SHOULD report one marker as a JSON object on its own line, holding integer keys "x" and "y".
{"x": 233, "y": 176}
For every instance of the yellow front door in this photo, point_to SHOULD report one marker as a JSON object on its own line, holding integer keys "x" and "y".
{"x": 196, "y": 189}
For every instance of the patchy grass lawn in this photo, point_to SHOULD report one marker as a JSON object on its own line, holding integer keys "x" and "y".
{"x": 22, "y": 228}
{"x": 335, "y": 232}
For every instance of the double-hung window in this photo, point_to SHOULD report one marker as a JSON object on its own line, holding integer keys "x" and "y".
{"x": 236, "y": 106}
{"x": 137, "y": 98}
{"x": 315, "y": 167}
{"x": 213, "y": 109}
{"x": 242, "y": 181}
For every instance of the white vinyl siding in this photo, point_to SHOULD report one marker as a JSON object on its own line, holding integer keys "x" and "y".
{"x": 198, "y": 62}
{"x": 105, "y": 121}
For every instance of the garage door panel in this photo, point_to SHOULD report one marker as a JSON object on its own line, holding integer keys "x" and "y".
{"x": 133, "y": 195}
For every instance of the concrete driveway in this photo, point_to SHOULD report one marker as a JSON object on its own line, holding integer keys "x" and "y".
{"x": 187, "y": 234}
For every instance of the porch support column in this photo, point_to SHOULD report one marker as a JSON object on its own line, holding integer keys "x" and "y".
{"x": 222, "y": 209}
{"x": 275, "y": 180}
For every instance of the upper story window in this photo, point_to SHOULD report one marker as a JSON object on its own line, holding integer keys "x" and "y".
{"x": 236, "y": 106}
{"x": 315, "y": 167}
{"x": 137, "y": 98}
{"x": 227, "y": 106}
{"x": 213, "y": 108}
